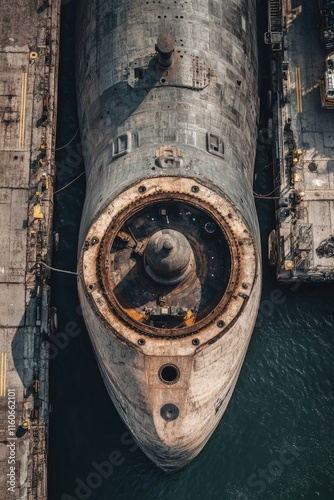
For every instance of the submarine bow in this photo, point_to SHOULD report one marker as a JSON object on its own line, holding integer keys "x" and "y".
{"x": 169, "y": 263}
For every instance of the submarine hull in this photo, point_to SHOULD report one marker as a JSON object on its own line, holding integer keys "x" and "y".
{"x": 169, "y": 263}
{"x": 203, "y": 398}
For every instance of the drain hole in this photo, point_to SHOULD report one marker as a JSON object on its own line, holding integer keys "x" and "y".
{"x": 312, "y": 167}
{"x": 169, "y": 412}
{"x": 169, "y": 374}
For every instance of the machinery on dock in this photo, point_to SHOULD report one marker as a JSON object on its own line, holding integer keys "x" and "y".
{"x": 327, "y": 84}
{"x": 327, "y": 22}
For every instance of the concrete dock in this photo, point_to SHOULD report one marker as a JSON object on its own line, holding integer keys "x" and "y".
{"x": 29, "y": 46}
{"x": 303, "y": 137}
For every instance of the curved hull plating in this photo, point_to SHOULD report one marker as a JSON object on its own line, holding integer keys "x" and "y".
{"x": 169, "y": 265}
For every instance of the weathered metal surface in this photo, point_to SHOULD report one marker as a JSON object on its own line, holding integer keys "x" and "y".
{"x": 185, "y": 71}
{"x": 184, "y": 138}
{"x": 28, "y": 84}
{"x": 240, "y": 245}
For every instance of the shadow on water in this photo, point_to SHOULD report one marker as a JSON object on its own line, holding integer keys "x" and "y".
{"x": 275, "y": 440}
{"x": 29, "y": 349}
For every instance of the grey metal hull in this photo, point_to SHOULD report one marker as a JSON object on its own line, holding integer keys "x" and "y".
{"x": 186, "y": 133}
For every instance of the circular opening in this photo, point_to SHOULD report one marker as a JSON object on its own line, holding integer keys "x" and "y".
{"x": 195, "y": 342}
{"x": 169, "y": 374}
{"x": 195, "y": 189}
{"x": 142, "y": 189}
{"x": 163, "y": 80}
{"x": 210, "y": 227}
{"x": 169, "y": 412}
{"x": 137, "y": 291}
{"x": 220, "y": 324}
{"x": 95, "y": 240}
{"x": 141, "y": 341}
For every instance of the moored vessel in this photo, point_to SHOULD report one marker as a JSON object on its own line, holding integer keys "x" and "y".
{"x": 169, "y": 265}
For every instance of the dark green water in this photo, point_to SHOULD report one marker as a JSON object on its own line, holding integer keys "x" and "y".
{"x": 275, "y": 440}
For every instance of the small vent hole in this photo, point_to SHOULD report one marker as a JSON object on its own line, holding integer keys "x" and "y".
{"x": 169, "y": 374}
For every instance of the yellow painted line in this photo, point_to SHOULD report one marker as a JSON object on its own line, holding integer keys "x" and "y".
{"x": 3, "y": 374}
{"x": 299, "y": 91}
{"x": 23, "y": 109}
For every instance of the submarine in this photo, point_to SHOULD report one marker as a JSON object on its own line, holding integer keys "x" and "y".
{"x": 169, "y": 264}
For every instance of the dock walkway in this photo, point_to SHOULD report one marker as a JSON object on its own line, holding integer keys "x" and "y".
{"x": 29, "y": 43}
{"x": 303, "y": 148}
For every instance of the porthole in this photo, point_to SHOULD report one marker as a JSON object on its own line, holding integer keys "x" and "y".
{"x": 169, "y": 374}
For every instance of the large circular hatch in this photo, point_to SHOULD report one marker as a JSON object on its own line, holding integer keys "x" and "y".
{"x": 166, "y": 267}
